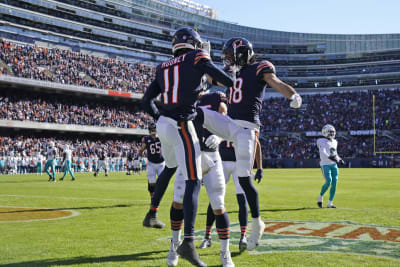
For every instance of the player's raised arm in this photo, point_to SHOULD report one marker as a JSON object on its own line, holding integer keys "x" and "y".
{"x": 218, "y": 77}
{"x": 286, "y": 90}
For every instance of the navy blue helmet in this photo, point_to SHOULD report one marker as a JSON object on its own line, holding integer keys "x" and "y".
{"x": 152, "y": 128}
{"x": 237, "y": 51}
{"x": 185, "y": 38}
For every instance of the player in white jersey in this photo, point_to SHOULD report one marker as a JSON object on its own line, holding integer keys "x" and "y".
{"x": 67, "y": 161}
{"x": 329, "y": 159}
{"x": 51, "y": 154}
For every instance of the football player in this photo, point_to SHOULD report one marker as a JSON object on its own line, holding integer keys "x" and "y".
{"x": 67, "y": 161}
{"x": 179, "y": 82}
{"x": 242, "y": 125}
{"x": 213, "y": 180}
{"x": 327, "y": 147}
{"x": 227, "y": 154}
{"x": 129, "y": 162}
{"x": 102, "y": 162}
{"x": 151, "y": 143}
{"x": 51, "y": 155}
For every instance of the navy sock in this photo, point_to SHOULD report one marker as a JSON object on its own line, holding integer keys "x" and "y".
{"x": 251, "y": 195}
{"x": 222, "y": 224}
{"x": 190, "y": 200}
{"x": 209, "y": 222}
{"x": 161, "y": 186}
{"x": 243, "y": 213}
{"x": 176, "y": 217}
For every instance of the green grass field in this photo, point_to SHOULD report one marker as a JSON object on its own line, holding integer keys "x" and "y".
{"x": 108, "y": 229}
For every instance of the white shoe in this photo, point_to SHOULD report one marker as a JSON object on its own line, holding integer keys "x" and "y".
{"x": 205, "y": 244}
{"x": 257, "y": 230}
{"x": 173, "y": 257}
{"x": 226, "y": 259}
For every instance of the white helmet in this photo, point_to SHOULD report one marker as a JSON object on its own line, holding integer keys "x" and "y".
{"x": 66, "y": 147}
{"x": 328, "y": 131}
{"x": 51, "y": 144}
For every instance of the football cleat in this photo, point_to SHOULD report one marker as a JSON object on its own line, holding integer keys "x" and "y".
{"x": 226, "y": 259}
{"x": 205, "y": 244}
{"x": 243, "y": 244}
{"x": 187, "y": 250}
{"x": 257, "y": 231}
{"x": 152, "y": 221}
{"x": 61, "y": 179}
{"x": 331, "y": 206}
{"x": 173, "y": 257}
{"x": 319, "y": 204}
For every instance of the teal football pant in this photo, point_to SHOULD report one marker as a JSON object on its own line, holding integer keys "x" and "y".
{"x": 330, "y": 173}
{"x": 39, "y": 167}
{"x": 68, "y": 169}
{"x": 52, "y": 165}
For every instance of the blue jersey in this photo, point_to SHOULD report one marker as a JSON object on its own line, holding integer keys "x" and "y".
{"x": 153, "y": 148}
{"x": 246, "y": 96}
{"x": 211, "y": 101}
{"x": 226, "y": 151}
{"x": 179, "y": 81}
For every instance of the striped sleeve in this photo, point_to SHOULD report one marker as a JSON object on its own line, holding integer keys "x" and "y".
{"x": 201, "y": 55}
{"x": 264, "y": 67}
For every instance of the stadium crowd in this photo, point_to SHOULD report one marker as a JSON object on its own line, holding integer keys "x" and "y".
{"x": 62, "y": 109}
{"x": 346, "y": 111}
{"x": 67, "y": 67}
{"x": 20, "y": 154}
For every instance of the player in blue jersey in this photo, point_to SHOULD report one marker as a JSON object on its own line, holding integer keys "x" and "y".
{"x": 179, "y": 82}
{"x": 245, "y": 104}
{"x": 151, "y": 143}
{"x": 243, "y": 123}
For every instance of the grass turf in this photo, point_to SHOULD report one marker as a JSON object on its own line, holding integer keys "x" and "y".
{"x": 108, "y": 230}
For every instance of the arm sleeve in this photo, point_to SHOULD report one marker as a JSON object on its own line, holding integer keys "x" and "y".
{"x": 216, "y": 74}
{"x": 148, "y": 99}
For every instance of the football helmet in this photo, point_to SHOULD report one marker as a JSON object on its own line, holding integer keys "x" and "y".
{"x": 152, "y": 128}
{"x": 51, "y": 144}
{"x": 329, "y": 131}
{"x": 66, "y": 147}
{"x": 238, "y": 52}
{"x": 186, "y": 38}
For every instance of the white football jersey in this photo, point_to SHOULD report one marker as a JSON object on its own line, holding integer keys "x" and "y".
{"x": 327, "y": 148}
{"x": 68, "y": 154}
{"x": 51, "y": 153}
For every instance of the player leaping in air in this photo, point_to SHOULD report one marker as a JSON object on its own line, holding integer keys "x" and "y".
{"x": 245, "y": 104}
{"x": 179, "y": 82}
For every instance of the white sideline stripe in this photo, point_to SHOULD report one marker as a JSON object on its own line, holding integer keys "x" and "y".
{"x": 87, "y": 198}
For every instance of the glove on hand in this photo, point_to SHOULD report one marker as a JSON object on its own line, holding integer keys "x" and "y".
{"x": 295, "y": 101}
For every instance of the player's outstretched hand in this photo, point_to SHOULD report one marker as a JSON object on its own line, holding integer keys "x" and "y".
{"x": 213, "y": 141}
{"x": 295, "y": 101}
{"x": 341, "y": 161}
{"x": 259, "y": 175}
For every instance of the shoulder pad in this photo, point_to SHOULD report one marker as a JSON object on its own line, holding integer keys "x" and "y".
{"x": 201, "y": 54}
{"x": 265, "y": 66}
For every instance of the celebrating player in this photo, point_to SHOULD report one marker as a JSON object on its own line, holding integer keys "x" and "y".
{"x": 179, "y": 81}
{"x": 67, "y": 155}
{"x": 51, "y": 154}
{"x": 214, "y": 182}
{"x": 245, "y": 103}
{"x": 329, "y": 159}
{"x": 156, "y": 164}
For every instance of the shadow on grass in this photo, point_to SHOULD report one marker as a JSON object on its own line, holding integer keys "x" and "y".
{"x": 77, "y": 208}
{"x": 143, "y": 256}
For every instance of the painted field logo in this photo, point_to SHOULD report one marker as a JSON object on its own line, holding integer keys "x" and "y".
{"x": 19, "y": 214}
{"x": 345, "y": 237}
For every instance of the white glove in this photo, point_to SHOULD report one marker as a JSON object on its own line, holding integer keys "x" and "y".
{"x": 206, "y": 46}
{"x": 295, "y": 101}
{"x": 213, "y": 141}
